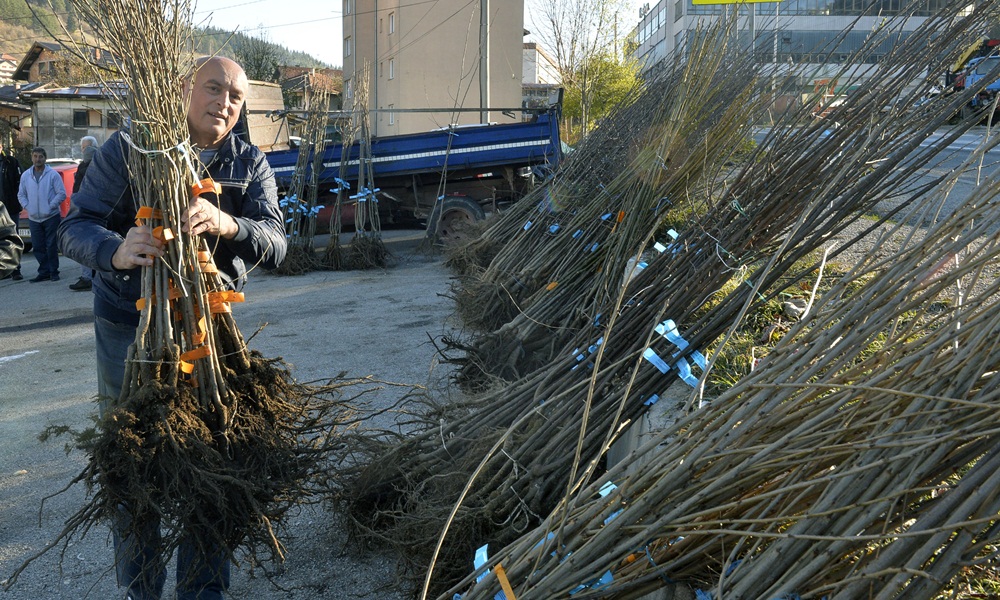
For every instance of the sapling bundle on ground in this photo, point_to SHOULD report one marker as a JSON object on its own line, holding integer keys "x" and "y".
{"x": 579, "y": 235}
{"x": 367, "y": 250}
{"x": 333, "y": 256}
{"x": 558, "y": 269}
{"x": 519, "y": 446}
{"x": 299, "y": 206}
{"x": 207, "y": 437}
{"x": 860, "y": 460}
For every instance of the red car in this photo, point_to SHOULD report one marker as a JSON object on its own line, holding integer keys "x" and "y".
{"x": 66, "y": 167}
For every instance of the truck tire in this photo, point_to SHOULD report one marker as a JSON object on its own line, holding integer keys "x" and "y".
{"x": 452, "y": 217}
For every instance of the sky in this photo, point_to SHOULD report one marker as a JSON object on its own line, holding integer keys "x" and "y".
{"x": 311, "y": 26}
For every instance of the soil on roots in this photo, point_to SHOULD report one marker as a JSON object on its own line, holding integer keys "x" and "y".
{"x": 161, "y": 456}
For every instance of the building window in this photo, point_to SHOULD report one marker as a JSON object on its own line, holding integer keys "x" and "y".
{"x": 348, "y": 6}
{"x": 347, "y": 46}
{"x": 392, "y": 22}
{"x": 81, "y": 120}
{"x": 678, "y": 10}
{"x": 392, "y": 115}
{"x": 46, "y": 69}
{"x": 348, "y": 89}
{"x": 114, "y": 119}
{"x": 392, "y": 68}
{"x": 380, "y": 25}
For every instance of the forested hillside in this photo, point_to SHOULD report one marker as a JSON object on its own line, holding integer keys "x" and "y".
{"x": 38, "y": 20}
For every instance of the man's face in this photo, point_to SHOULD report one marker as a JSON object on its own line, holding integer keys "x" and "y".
{"x": 38, "y": 159}
{"x": 216, "y": 98}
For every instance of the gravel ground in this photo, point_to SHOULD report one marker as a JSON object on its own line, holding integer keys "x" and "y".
{"x": 364, "y": 323}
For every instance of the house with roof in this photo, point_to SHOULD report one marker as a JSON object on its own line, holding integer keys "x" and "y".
{"x": 62, "y": 115}
{"x": 15, "y": 117}
{"x": 47, "y": 61}
{"x": 8, "y": 64}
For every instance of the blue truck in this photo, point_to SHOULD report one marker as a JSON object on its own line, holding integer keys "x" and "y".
{"x": 453, "y": 175}
{"x": 980, "y": 71}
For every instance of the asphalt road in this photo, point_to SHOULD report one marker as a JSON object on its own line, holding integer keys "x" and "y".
{"x": 363, "y": 323}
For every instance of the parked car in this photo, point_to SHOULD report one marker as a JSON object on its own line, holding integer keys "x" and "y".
{"x": 66, "y": 167}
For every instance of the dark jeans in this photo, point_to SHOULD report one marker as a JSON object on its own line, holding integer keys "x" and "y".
{"x": 199, "y": 577}
{"x": 44, "y": 245}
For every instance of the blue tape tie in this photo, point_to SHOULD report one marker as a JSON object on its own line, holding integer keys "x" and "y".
{"x": 684, "y": 371}
{"x": 652, "y": 400}
{"x": 577, "y": 233}
{"x": 606, "y": 489}
{"x": 527, "y": 226}
{"x": 553, "y": 228}
{"x": 655, "y": 360}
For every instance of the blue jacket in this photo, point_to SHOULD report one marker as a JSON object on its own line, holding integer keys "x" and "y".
{"x": 104, "y": 210}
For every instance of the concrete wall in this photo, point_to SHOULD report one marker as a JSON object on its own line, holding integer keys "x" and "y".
{"x": 426, "y": 55}
{"x": 53, "y": 124}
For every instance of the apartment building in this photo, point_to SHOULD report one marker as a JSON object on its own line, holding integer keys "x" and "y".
{"x": 802, "y": 34}
{"x": 426, "y": 55}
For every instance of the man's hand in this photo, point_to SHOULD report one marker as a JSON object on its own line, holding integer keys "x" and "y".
{"x": 138, "y": 250}
{"x": 202, "y": 216}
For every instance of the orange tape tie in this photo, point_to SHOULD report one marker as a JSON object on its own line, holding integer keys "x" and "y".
{"x": 621, "y": 216}
{"x": 225, "y": 296}
{"x": 163, "y": 234}
{"x": 187, "y": 367}
{"x": 147, "y": 212}
{"x": 205, "y": 186}
{"x": 219, "y": 308}
{"x": 209, "y": 268}
{"x": 140, "y": 304}
{"x": 552, "y": 286}
{"x": 198, "y": 338}
{"x": 504, "y": 582}
{"x": 204, "y": 256}
{"x": 195, "y": 354}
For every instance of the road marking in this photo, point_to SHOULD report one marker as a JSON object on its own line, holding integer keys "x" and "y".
{"x": 4, "y": 359}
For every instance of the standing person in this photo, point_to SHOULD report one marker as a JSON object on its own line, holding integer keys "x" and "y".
{"x": 41, "y": 192}
{"x": 242, "y": 227}
{"x": 10, "y": 179}
{"x": 88, "y": 145}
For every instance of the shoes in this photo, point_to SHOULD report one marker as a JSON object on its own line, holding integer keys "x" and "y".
{"x": 81, "y": 285}
{"x": 16, "y": 275}
{"x": 54, "y": 277}
{"x": 38, "y": 278}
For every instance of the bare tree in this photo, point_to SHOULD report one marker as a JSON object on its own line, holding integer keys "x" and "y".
{"x": 257, "y": 55}
{"x": 576, "y": 31}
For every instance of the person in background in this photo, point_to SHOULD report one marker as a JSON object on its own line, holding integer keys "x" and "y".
{"x": 10, "y": 244}
{"x": 243, "y": 225}
{"x": 10, "y": 179}
{"x": 40, "y": 193}
{"x": 88, "y": 145}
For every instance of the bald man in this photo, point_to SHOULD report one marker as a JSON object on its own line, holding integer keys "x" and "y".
{"x": 242, "y": 225}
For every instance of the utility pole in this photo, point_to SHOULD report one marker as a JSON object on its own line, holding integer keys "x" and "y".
{"x": 484, "y": 61}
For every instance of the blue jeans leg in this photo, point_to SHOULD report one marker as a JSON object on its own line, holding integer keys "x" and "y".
{"x": 201, "y": 575}
{"x": 137, "y": 566}
{"x": 43, "y": 245}
{"x": 112, "y": 340}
